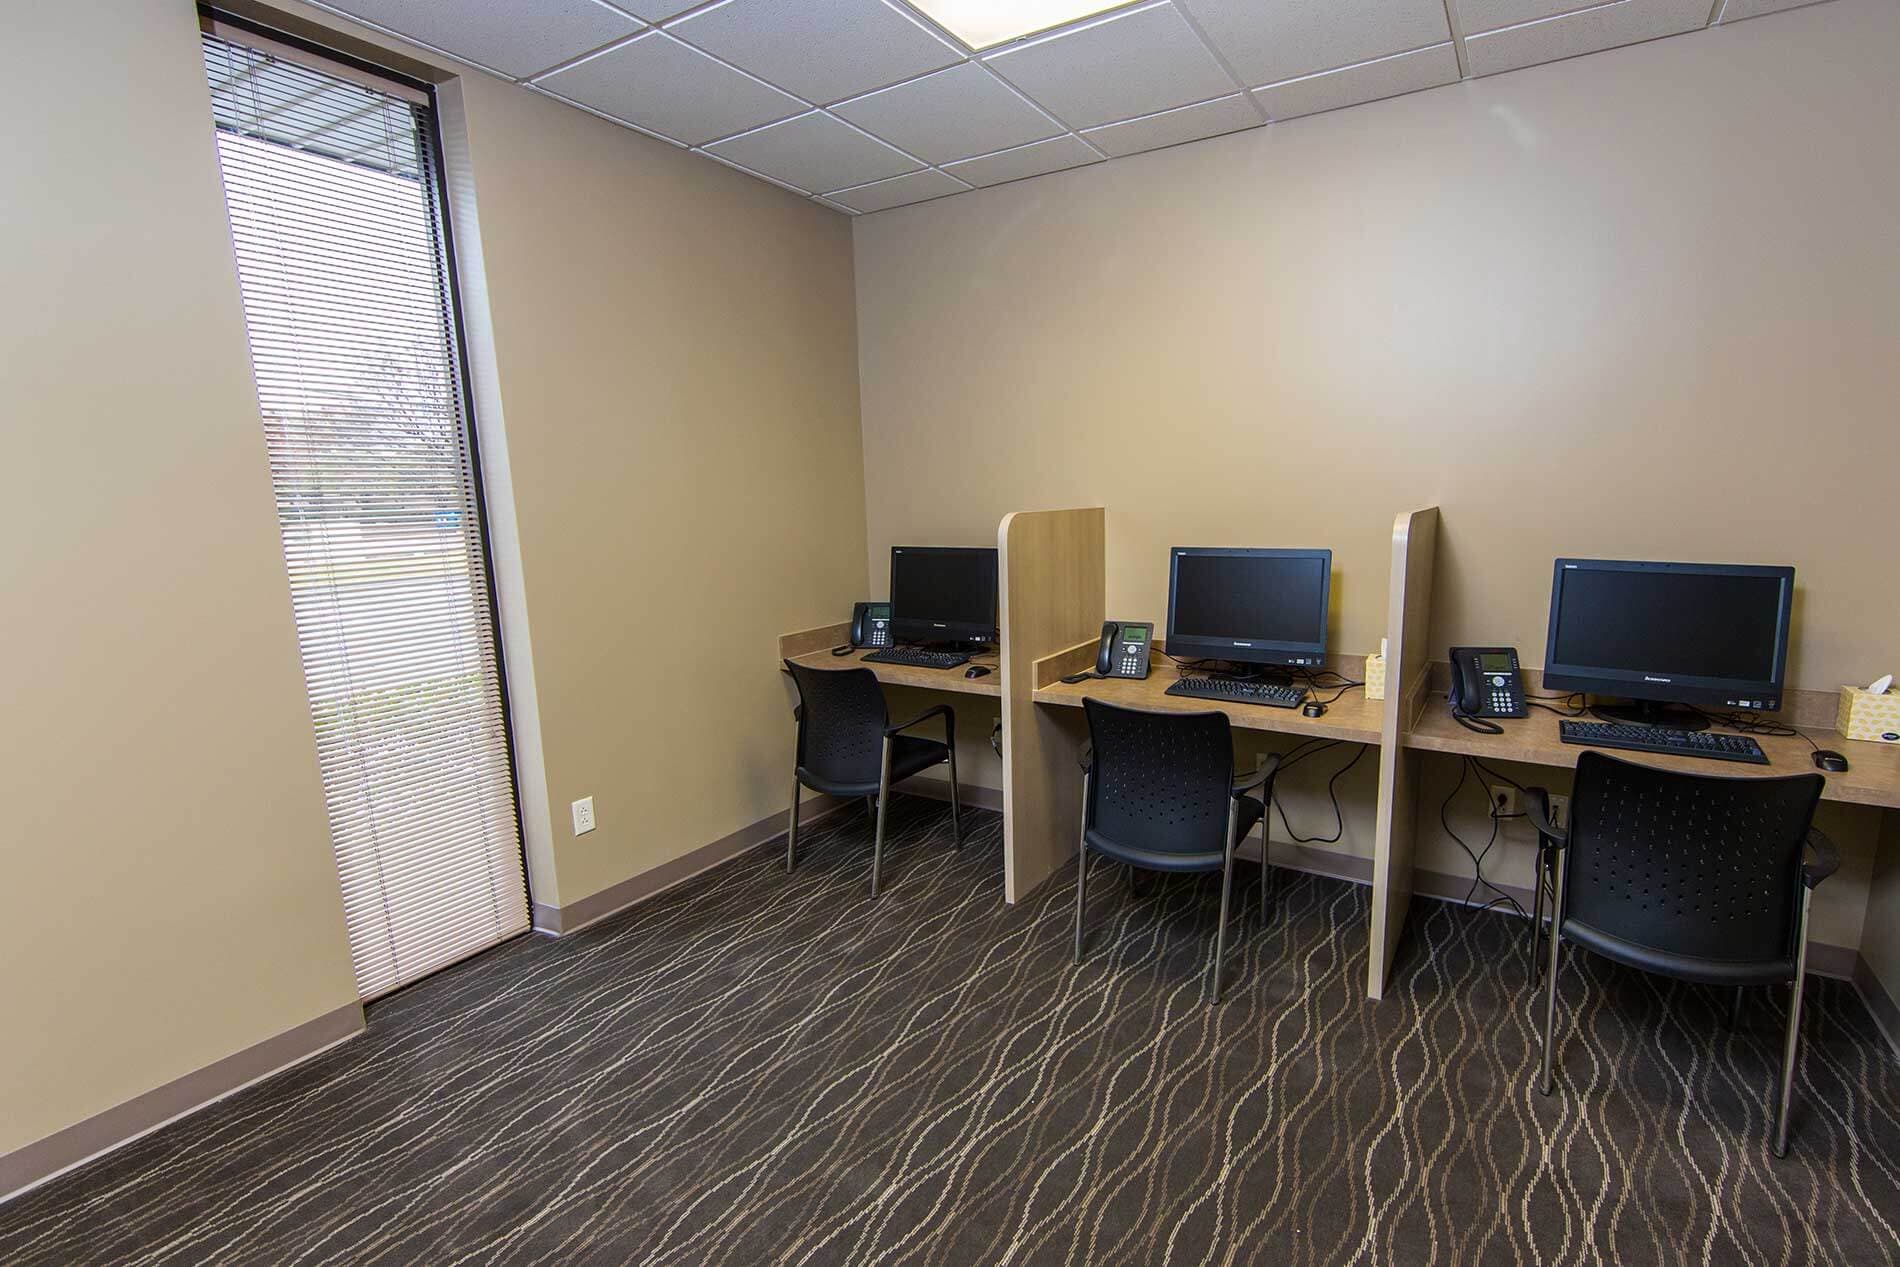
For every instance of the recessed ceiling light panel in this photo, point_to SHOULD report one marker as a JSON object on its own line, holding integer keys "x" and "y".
{"x": 986, "y": 23}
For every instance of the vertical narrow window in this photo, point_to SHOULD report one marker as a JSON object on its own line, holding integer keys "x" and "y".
{"x": 331, "y": 181}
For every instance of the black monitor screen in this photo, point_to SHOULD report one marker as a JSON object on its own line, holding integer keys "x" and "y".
{"x": 1684, "y": 623}
{"x": 947, "y": 592}
{"x": 1252, "y": 597}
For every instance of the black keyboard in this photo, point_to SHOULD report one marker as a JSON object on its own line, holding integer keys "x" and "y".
{"x": 1238, "y": 691}
{"x": 918, "y": 658}
{"x": 1677, "y": 743}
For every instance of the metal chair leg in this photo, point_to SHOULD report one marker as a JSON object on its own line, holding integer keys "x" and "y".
{"x": 1735, "y": 1007}
{"x": 1226, "y": 892}
{"x": 1266, "y": 878}
{"x": 956, "y": 805}
{"x": 1550, "y": 983}
{"x": 791, "y": 836}
{"x": 1791, "y": 1044}
{"x": 1081, "y": 869}
{"x": 883, "y": 801}
{"x": 1540, "y": 873}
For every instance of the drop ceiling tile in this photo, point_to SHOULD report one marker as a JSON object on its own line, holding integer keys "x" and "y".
{"x": 518, "y": 39}
{"x": 1025, "y": 160}
{"x": 1736, "y": 10}
{"x": 1387, "y": 77}
{"x": 1266, "y": 41}
{"x": 1172, "y": 127}
{"x": 899, "y": 191}
{"x": 659, "y": 83}
{"x": 823, "y": 50}
{"x": 1625, "y": 22}
{"x": 1134, "y": 63}
{"x": 1477, "y": 16}
{"x": 815, "y": 152}
{"x": 955, "y": 113}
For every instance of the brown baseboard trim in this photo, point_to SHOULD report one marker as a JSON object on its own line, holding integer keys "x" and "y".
{"x": 971, "y": 794}
{"x": 1886, "y": 1014}
{"x": 564, "y": 921}
{"x": 29, "y": 1167}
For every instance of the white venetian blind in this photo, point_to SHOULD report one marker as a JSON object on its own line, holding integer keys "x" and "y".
{"x": 330, "y": 184}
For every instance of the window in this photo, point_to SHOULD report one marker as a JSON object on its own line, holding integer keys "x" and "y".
{"x": 331, "y": 182}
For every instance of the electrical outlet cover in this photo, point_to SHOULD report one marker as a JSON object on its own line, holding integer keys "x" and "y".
{"x": 583, "y": 815}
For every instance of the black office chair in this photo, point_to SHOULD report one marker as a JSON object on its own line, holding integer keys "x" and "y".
{"x": 847, "y": 747}
{"x": 1159, "y": 792}
{"x": 1695, "y": 876}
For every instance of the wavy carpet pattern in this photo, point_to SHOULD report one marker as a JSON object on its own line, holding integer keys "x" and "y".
{"x": 756, "y": 1068}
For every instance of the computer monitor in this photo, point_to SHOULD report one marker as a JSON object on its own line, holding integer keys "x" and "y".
{"x": 1250, "y": 606}
{"x": 1708, "y": 634}
{"x": 943, "y": 594}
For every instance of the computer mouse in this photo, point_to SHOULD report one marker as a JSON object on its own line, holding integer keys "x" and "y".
{"x": 1313, "y": 708}
{"x": 977, "y": 670}
{"x": 1828, "y": 759}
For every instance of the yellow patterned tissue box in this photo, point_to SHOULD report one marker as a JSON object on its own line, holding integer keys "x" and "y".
{"x": 1865, "y": 716}
{"x": 1375, "y": 677}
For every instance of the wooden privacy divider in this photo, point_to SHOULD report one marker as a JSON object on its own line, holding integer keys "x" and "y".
{"x": 1407, "y": 681}
{"x": 1053, "y": 581}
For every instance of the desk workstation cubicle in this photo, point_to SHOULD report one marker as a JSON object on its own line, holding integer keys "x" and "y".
{"x": 1052, "y": 608}
{"x": 1052, "y": 587}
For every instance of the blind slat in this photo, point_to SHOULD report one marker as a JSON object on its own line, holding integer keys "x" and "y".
{"x": 333, "y": 215}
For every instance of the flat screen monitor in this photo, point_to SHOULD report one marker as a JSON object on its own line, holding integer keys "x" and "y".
{"x": 1708, "y": 634}
{"x": 1250, "y": 606}
{"x": 943, "y": 594}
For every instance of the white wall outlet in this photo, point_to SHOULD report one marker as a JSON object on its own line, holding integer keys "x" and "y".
{"x": 1559, "y": 810}
{"x": 583, "y": 815}
{"x": 1503, "y": 801}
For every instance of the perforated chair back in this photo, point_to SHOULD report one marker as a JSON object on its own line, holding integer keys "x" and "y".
{"x": 841, "y": 721}
{"x": 1161, "y": 782}
{"x": 1705, "y": 867}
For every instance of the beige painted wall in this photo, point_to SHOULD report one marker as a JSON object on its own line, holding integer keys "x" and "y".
{"x": 677, "y": 361}
{"x": 1639, "y": 304}
{"x": 174, "y": 898}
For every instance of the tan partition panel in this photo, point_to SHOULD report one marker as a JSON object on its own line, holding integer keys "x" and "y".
{"x": 1407, "y": 678}
{"x": 1053, "y": 582}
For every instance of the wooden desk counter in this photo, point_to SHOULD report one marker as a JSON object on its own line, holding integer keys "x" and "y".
{"x": 1352, "y": 717}
{"x": 1873, "y": 776}
{"x": 811, "y": 648}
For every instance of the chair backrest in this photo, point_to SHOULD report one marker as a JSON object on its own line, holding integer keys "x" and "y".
{"x": 1160, "y": 781}
{"x": 841, "y": 721}
{"x": 1702, "y": 865}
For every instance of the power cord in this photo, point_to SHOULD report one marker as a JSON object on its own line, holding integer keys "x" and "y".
{"x": 1478, "y": 856}
{"x": 1332, "y": 792}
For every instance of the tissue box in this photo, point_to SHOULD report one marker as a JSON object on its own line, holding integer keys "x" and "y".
{"x": 1864, "y": 716}
{"x": 1375, "y": 677}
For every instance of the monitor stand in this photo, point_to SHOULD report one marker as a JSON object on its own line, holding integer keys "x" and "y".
{"x": 1651, "y": 713}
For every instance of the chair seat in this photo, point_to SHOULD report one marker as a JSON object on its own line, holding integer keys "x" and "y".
{"x": 1670, "y": 964}
{"x": 1250, "y": 812}
{"x": 908, "y": 756}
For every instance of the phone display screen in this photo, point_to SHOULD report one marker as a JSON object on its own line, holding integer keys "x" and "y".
{"x": 1493, "y": 662}
{"x": 1134, "y": 635}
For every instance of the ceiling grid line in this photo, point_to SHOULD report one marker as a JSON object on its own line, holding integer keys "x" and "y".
{"x": 893, "y": 107}
{"x": 1457, "y": 25}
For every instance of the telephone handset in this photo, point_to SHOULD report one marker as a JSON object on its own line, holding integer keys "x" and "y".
{"x": 1485, "y": 683}
{"x": 870, "y": 627}
{"x": 1123, "y": 651}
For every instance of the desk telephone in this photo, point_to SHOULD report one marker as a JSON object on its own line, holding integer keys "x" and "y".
{"x": 1485, "y": 683}
{"x": 870, "y": 627}
{"x": 1123, "y": 651}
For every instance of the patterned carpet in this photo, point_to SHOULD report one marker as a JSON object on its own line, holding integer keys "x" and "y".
{"x": 758, "y": 1068}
